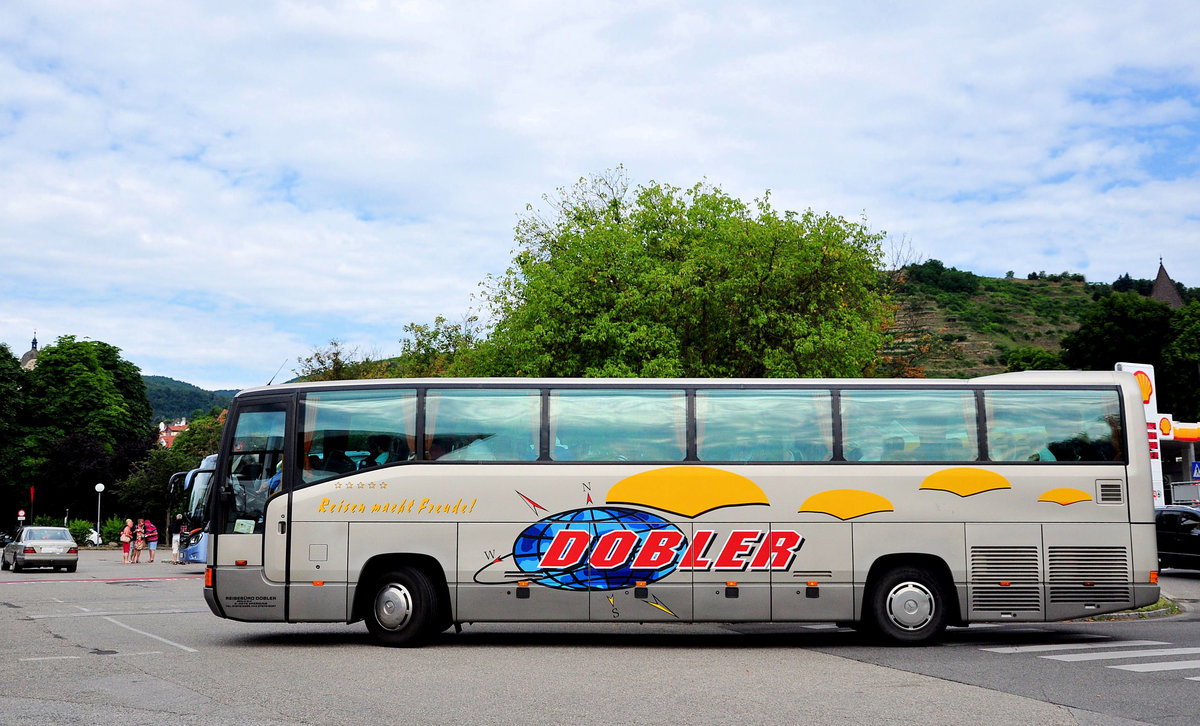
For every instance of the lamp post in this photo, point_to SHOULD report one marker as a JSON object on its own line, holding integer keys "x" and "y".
{"x": 99, "y": 489}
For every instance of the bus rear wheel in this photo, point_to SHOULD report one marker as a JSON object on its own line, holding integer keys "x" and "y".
{"x": 908, "y": 606}
{"x": 403, "y": 608}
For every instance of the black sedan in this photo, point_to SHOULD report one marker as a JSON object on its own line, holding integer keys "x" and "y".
{"x": 1178, "y": 532}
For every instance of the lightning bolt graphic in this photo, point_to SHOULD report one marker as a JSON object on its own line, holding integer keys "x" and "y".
{"x": 612, "y": 600}
{"x": 532, "y": 504}
{"x": 658, "y": 604}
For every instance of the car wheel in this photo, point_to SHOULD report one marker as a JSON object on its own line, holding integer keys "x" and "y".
{"x": 908, "y": 606}
{"x": 70, "y": 568}
{"x": 403, "y": 609}
{"x": 16, "y": 565}
{"x": 3, "y": 562}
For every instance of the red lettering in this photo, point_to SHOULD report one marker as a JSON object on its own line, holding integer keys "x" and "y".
{"x": 693, "y": 558}
{"x": 779, "y": 551}
{"x": 613, "y": 549}
{"x": 740, "y": 542}
{"x": 566, "y": 550}
{"x": 660, "y": 548}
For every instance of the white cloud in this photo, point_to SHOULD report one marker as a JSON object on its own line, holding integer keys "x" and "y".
{"x": 212, "y": 189}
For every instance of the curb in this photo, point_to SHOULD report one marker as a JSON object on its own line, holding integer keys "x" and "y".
{"x": 1172, "y": 608}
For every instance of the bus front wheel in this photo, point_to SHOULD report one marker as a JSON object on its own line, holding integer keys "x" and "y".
{"x": 908, "y": 606}
{"x": 403, "y": 608}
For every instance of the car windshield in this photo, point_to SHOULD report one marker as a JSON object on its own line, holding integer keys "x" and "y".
{"x": 48, "y": 534}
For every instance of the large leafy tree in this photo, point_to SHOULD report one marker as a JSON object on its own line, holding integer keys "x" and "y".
{"x": 86, "y": 420}
{"x": 11, "y": 397}
{"x": 659, "y": 281}
{"x": 1181, "y": 364}
{"x": 1119, "y": 327}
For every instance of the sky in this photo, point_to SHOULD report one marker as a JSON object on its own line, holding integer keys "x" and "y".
{"x": 219, "y": 188}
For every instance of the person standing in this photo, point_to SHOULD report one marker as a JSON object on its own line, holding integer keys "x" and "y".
{"x": 176, "y": 535}
{"x": 127, "y": 541}
{"x": 151, "y": 533}
{"x": 139, "y": 542}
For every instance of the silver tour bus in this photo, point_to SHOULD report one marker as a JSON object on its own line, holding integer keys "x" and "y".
{"x": 898, "y": 506}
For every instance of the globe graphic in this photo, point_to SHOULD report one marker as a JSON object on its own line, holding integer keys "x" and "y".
{"x": 531, "y": 545}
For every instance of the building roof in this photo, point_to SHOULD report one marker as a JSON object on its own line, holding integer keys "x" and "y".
{"x": 29, "y": 360}
{"x": 1164, "y": 289}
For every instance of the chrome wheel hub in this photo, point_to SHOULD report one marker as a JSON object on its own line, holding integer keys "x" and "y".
{"x": 393, "y": 606}
{"x": 910, "y": 605}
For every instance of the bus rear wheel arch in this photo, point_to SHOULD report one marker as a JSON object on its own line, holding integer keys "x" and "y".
{"x": 908, "y": 605}
{"x": 402, "y": 608}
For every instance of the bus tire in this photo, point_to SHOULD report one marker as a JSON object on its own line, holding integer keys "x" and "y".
{"x": 908, "y": 606}
{"x": 403, "y": 608}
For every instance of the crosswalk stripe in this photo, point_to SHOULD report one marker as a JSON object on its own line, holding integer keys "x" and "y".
{"x": 1151, "y": 653}
{"x": 1073, "y": 646}
{"x": 1175, "y": 665}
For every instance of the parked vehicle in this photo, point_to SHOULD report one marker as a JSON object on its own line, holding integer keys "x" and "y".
{"x": 41, "y": 547}
{"x": 1177, "y": 529}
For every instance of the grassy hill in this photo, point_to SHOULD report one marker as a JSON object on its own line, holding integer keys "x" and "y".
{"x": 172, "y": 399}
{"x": 963, "y": 327}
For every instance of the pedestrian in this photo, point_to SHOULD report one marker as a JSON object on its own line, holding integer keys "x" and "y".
{"x": 151, "y": 538}
{"x": 139, "y": 542}
{"x": 176, "y": 535}
{"x": 127, "y": 541}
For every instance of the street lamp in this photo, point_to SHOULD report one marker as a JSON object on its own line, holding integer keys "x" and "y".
{"x": 99, "y": 489}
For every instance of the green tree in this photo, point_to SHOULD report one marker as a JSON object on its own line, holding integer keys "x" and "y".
{"x": 1033, "y": 358}
{"x": 203, "y": 437}
{"x": 144, "y": 492}
{"x": 86, "y": 420}
{"x": 1181, "y": 365}
{"x": 440, "y": 349}
{"x": 335, "y": 362}
{"x": 1119, "y": 327}
{"x": 11, "y": 398}
{"x": 659, "y": 281}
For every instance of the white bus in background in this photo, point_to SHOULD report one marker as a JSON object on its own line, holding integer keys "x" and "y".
{"x": 900, "y": 506}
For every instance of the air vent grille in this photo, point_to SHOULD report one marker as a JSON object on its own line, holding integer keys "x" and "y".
{"x": 1005, "y": 579}
{"x": 1089, "y": 575}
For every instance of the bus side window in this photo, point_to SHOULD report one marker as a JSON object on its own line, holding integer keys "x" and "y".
{"x": 345, "y": 431}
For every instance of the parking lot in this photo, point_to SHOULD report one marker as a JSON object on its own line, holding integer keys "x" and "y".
{"x": 135, "y": 644}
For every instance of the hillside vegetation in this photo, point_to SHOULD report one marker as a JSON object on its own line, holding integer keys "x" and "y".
{"x": 172, "y": 399}
{"x": 969, "y": 331}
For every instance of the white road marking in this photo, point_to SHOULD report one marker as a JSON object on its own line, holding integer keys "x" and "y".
{"x": 50, "y": 657}
{"x": 1174, "y": 665}
{"x": 1153, "y": 653}
{"x": 102, "y": 613}
{"x": 1073, "y": 646}
{"x": 152, "y": 635}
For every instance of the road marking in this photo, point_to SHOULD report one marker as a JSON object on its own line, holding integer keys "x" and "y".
{"x": 152, "y": 635}
{"x": 103, "y": 580}
{"x": 1079, "y": 657}
{"x": 50, "y": 657}
{"x": 1073, "y": 646}
{"x": 1175, "y": 665}
{"x": 131, "y": 655}
{"x": 101, "y": 613}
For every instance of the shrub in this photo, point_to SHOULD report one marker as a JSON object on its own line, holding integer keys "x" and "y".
{"x": 110, "y": 531}
{"x": 80, "y": 529}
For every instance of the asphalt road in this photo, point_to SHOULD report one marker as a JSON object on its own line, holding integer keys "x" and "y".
{"x": 135, "y": 644}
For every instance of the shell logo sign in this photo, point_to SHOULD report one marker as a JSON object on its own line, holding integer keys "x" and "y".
{"x": 1164, "y": 426}
{"x": 1145, "y": 384}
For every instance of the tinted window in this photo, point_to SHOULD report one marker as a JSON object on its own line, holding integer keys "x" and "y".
{"x": 909, "y": 425}
{"x": 256, "y": 457}
{"x": 764, "y": 426}
{"x": 1054, "y": 426}
{"x": 345, "y": 431}
{"x": 486, "y": 425}
{"x": 618, "y": 425}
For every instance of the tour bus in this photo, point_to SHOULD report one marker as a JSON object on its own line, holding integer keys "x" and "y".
{"x": 193, "y": 543}
{"x": 895, "y": 506}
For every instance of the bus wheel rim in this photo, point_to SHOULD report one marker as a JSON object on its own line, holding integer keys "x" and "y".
{"x": 393, "y": 606}
{"x": 910, "y": 605}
